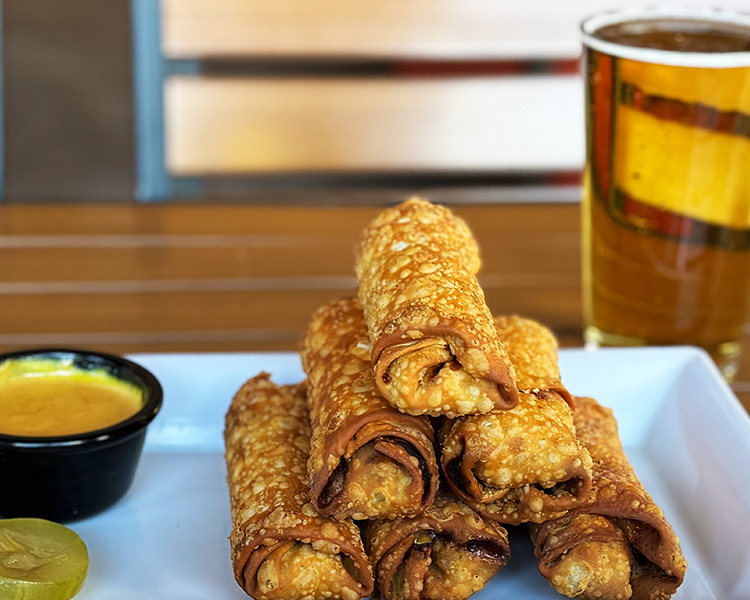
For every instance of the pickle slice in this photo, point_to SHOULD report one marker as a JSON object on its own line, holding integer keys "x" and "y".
{"x": 40, "y": 560}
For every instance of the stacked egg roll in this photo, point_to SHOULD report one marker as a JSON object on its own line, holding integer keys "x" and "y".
{"x": 282, "y": 549}
{"x": 367, "y": 459}
{"x": 447, "y": 553}
{"x": 419, "y": 348}
{"x": 435, "y": 350}
{"x": 617, "y": 545}
{"x": 526, "y": 463}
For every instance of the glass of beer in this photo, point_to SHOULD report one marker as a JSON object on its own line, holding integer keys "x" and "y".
{"x": 666, "y": 206}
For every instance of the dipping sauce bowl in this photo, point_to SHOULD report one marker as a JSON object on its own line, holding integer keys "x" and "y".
{"x": 59, "y": 472}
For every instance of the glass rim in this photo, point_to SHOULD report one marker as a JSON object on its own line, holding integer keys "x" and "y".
{"x": 716, "y": 60}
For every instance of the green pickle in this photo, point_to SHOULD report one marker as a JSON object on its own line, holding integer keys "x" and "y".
{"x": 40, "y": 560}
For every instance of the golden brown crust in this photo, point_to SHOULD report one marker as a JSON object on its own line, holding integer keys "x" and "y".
{"x": 367, "y": 460}
{"x": 524, "y": 464}
{"x": 594, "y": 569}
{"x": 533, "y": 350}
{"x": 447, "y": 553}
{"x": 267, "y": 439}
{"x": 434, "y": 346}
{"x": 658, "y": 566}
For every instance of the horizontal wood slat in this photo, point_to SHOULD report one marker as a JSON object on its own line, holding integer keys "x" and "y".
{"x": 177, "y": 262}
{"x": 389, "y": 28}
{"x": 463, "y": 29}
{"x": 471, "y": 125}
{"x": 50, "y": 224}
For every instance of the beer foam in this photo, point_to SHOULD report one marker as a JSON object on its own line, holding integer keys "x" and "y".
{"x": 677, "y": 58}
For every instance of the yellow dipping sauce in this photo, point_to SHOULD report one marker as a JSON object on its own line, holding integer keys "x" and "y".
{"x": 51, "y": 397}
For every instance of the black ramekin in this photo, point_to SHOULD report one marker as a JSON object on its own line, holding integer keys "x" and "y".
{"x": 70, "y": 477}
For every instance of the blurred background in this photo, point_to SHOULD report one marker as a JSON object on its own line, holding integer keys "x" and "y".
{"x": 184, "y": 175}
{"x": 154, "y": 100}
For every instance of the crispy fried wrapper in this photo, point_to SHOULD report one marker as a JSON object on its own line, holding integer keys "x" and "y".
{"x": 447, "y": 553}
{"x": 532, "y": 348}
{"x": 434, "y": 347}
{"x": 282, "y": 549}
{"x": 618, "y": 544}
{"x": 367, "y": 459}
{"x": 524, "y": 464}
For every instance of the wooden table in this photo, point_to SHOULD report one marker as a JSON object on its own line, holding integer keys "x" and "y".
{"x": 246, "y": 277}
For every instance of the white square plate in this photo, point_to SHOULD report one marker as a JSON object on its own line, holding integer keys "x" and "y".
{"x": 683, "y": 429}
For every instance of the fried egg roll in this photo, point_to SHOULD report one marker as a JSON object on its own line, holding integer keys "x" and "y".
{"x": 367, "y": 459}
{"x": 447, "y": 553}
{"x": 524, "y": 464}
{"x": 434, "y": 347}
{"x": 618, "y": 544}
{"x": 282, "y": 549}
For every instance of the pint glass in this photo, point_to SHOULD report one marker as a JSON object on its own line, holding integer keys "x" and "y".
{"x": 666, "y": 207}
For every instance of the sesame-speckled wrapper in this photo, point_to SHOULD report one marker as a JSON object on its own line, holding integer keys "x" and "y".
{"x": 281, "y": 548}
{"x": 447, "y": 553}
{"x": 524, "y": 464}
{"x": 618, "y": 544}
{"x": 434, "y": 347}
{"x": 367, "y": 459}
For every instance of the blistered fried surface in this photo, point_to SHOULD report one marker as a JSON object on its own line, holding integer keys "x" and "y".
{"x": 533, "y": 350}
{"x": 379, "y": 486}
{"x": 367, "y": 459}
{"x": 600, "y": 566}
{"x": 267, "y": 438}
{"x": 428, "y": 321}
{"x": 520, "y": 465}
{"x": 658, "y": 566}
{"x": 448, "y": 553}
{"x": 456, "y": 572}
{"x": 297, "y": 571}
{"x": 524, "y": 464}
{"x": 425, "y": 378}
{"x": 594, "y": 570}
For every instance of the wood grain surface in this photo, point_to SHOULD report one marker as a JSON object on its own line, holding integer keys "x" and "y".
{"x": 220, "y": 125}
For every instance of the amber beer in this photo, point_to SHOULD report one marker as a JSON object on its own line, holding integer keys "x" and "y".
{"x": 666, "y": 211}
